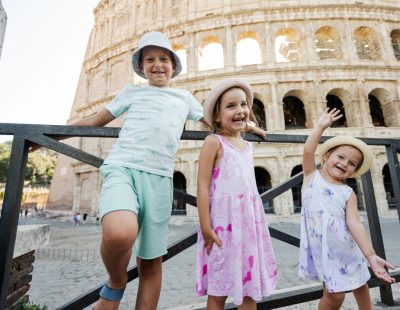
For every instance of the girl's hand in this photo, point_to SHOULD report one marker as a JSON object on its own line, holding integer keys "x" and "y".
{"x": 252, "y": 128}
{"x": 378, "y": 265}
{"x": 210, "y": 237}
{"x": 328, "y": 117}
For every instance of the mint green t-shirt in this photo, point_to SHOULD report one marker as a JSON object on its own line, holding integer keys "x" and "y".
{"x": 153, "y": 124}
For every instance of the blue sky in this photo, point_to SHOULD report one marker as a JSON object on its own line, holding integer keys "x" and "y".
{"x": 43, "y": 51}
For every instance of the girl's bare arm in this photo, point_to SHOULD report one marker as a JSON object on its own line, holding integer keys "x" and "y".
{"x": 360, "y": 236}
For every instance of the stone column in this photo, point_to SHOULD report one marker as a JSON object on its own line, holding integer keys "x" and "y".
{"x": 363, "y": 104}
{"x": 387, "y": 49}
{"x": 192, "y": 59}
{"x": 269, "y": 44}
{"x": 229, "y": 52}
{"x": 276, "y": 107}
{"x": 77, "y": 193}
{"x": 349, "y": 49}
{"x": 191, "y": 186}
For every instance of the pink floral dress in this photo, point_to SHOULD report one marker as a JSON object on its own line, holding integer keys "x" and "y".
{"x": 245, "y": 265}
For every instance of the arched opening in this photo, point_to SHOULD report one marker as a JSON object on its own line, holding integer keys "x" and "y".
{"x": 181, "y": 52}
{"x": 387, "y": 183}
{"x": 335, "y": 102}
{"x": 294, "y": 114}
{"x": 248, "y": 50}
{"x": 327, "y": 43}
{"x": 395, "y": 38}
{"x": 367, "y": 43}
{"x": 263, "y": 180}
{"x": 179, "y": 181}
{"x": 376, "y": 111}
{"x": 211, "y": 54}
{"x": 354, "y": 185}
{"x": 287, "y": 45}
{"x": 296, "y": 191}
{"x": 259, "y": 113}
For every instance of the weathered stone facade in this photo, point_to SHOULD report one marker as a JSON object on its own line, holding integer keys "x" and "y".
{"x": 299, "y": 56}
{"x": 3, "y": 22}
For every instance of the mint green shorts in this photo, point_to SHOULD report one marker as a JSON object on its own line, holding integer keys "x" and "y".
{"x": 146, "y": 194}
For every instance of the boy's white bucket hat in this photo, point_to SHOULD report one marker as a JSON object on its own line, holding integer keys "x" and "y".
{"x": 158, "y": 39}
{"x": 218, "y": 90}
{"x": 346, "y": 140}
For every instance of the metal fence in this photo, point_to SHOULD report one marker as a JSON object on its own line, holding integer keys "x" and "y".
{"x": 47, "y": 135}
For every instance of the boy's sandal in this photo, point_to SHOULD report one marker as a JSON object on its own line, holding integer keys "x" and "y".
{"x": 111, "y": 294}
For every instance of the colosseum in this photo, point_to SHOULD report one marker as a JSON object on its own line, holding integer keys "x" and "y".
{"x": 300, "y": 56}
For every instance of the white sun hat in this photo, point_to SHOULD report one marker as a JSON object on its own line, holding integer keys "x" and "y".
{"x": 154, "y": 38}
{"x": 346, "y": 140}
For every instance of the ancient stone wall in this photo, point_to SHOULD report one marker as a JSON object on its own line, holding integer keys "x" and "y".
{"x": 299, "y": 56}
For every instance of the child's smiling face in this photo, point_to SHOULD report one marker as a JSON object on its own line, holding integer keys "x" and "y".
{"x": 233, "y": 111}
{"x": 157, "y": 65}
{"x": 342, "y": 162}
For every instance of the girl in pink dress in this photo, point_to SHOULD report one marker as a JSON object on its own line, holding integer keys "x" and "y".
{"x": 235, "y": 256}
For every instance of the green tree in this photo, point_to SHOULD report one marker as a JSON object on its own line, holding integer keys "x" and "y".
{"x": 5, "y": 150}
{"x": 39, "y": 168}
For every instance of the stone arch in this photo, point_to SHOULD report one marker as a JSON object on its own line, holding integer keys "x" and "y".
{"x": 248, "y": 49}
{"x": 294, "y": 109}
{"x": 259, "y": 113}
{"x": 117, "y": 76}
{"x": 327, "y": 43}
{"x": 367, "y": 43}
{"x": 395, "y": 39}
{"x": 352, "y": 182}
{"x": 263, "y": 180}
{"x": 296, "y": 191}
{"x": 211, "y": 54}
{"x": 340, "y": 99}
{"x": 287, "y": 45}
{"x": 387, "y": 183}
{"x": 180, "y": 50}
{"x": 179, "y": 181}
{"x": 383, "y": 111}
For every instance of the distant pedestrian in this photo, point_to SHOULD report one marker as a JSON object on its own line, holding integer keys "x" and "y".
{"x": 78, "y": 218}
{"x": 26, "y": 212}
{"x": 75, "y": 219}
{"x": 84, "y": 217}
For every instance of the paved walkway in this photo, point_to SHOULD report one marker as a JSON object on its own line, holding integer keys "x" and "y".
{"x": 70, "y": 264}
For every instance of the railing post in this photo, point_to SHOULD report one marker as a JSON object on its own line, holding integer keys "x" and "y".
{"x": 10, "y": 212}
{"x": 394, "y": 169}
{"x": 375, "y": 231}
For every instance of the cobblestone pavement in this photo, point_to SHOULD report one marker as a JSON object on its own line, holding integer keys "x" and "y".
{"x": 70, "y": 264}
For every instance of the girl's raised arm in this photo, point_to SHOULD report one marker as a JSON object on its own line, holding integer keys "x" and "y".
{"x": 326, "y": 119}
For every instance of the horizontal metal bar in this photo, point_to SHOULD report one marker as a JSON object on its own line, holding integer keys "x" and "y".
{"x": 281, "y": 188}
{"x": 67, "y": 150}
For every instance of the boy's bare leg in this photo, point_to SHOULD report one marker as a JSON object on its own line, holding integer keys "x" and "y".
{"x": 216, "y": 302}
{"x": 363, "y": 297}
{"x": 248, "y": 304}
{"x": 331, "y": 301}
{"x": 150, "y": 276}
{"x": 120, "y": 229}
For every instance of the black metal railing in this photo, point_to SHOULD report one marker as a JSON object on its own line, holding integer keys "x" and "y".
{"x": 48, "y": 135}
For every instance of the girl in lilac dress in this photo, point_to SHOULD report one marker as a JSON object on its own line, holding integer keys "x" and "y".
{"x": 235, "y": 256}
{"x": 334, "y": 246}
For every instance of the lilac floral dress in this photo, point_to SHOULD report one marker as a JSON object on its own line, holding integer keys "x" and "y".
{"x": 328, "y": 252}
{"x": 245, "y": 265}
